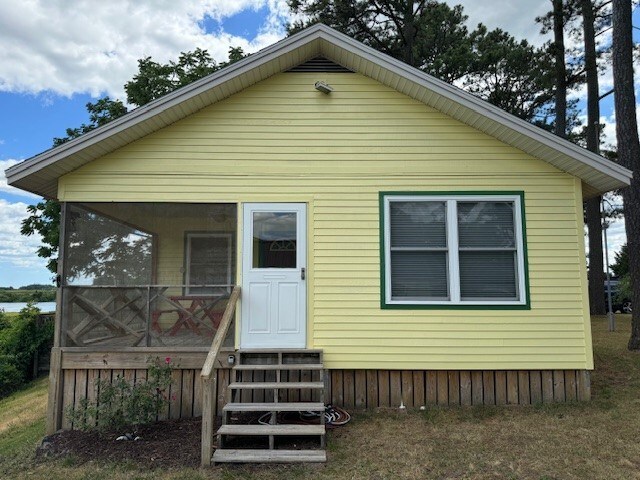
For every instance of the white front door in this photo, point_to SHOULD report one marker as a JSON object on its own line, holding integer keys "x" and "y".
{"x": 273, "y": 276}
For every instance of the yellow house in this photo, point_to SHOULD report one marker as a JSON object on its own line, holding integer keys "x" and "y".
{"x": 408, "y": 241}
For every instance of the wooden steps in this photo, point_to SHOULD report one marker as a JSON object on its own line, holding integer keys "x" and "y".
{"x": 268, "y": 456}
{"x": 272, "y": 384}
{"x": 275, "y": 385}
{"x": 261, "y": 430}
{"x": 278, "y": 407}
{"x": 292, "y": 366}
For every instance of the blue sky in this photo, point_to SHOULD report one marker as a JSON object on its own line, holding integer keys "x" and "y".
{"x": 52, "y": 63}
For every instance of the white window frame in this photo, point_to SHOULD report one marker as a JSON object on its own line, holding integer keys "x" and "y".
{"x": 189, "y": 236}
{"x": 452, "y": 248}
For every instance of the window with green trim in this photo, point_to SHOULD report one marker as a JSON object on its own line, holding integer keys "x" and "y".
{"x": 453, "y": 250}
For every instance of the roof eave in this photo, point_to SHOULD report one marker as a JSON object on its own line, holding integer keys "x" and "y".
{"x": 605, "y": 175}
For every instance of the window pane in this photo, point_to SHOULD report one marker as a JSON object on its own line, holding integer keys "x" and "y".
{"x": 209, "y": 262}
{"x": 488, "y": 275}
{"x": 419, "y": 275}
{"x": 274, "y": 240}
{"x": 486, "y": 224}
{"x": 418, "y": 224}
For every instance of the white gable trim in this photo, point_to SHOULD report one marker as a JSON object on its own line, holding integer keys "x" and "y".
{"x": 39, "y": 174}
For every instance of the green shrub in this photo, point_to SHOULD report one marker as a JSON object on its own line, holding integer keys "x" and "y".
{"x": 20, "y": 339}
{"x": 124, "y": 405}
{"x": 624, "y": 288}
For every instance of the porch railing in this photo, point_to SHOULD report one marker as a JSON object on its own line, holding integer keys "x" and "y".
{"x": 142, "y": 316}
{"x": 209, "y": 377}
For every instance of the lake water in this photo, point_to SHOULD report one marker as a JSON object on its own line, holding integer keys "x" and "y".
{"x": 44, "y": 307}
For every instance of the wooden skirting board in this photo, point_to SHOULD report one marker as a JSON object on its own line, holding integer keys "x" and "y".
{"x": 351, "y": 389}
{"x": 185, "y": 393}
{"x": 415, "y": 388}
{"x": 74, "y": 373}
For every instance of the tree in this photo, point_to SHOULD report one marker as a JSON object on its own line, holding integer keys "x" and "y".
{"x": 621, "y": 265}
{"x": 560, "y": 69}
{"x": 628, "y": 148}
{"x": 433, "y": 37}
{"x": 155, "y": 80}
{"x": 592, "y": 205}
{"x": 100, "y": 113}
{"x": 555, "y": 21}
{"x": 510, "y": 74}
{"x": 428, "y": 35}
{"x": 566, "y": 72}
{"x": 152, "y": 81}
{"x": 44, "y": 217}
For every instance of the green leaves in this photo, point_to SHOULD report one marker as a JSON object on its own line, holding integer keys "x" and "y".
{"x": 124, "y": 404}
{"x": 44, "y": 219}
{"x": 152, "y": 81}
{"x": 433, "y": 37}
{"x": 20, "y": 338}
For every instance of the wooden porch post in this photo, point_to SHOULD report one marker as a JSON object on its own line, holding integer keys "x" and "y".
{"x": 209, "y": 402}
{"x": 54, "y": 404}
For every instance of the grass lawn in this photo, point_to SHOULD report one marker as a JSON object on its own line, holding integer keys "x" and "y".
{"x": 598, "y": 439}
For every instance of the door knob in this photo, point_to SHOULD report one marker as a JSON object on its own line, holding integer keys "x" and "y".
{"x": 302, "y": 273}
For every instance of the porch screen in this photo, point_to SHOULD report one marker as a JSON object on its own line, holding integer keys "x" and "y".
{"x": 147, "y": 274}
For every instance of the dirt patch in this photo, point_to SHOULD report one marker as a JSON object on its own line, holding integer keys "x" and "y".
{"x": 170, "y": 443}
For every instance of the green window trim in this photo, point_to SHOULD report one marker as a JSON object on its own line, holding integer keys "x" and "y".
{"x": 523, "y": 302}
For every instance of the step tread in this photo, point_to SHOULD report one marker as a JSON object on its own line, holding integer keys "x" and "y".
{"x": 268, "y": 456}
{"x": 271, "y": 430}
{"x": 280, "y": 366}
{"x": 255, "y": 385}
{"x": 275, "y": 407}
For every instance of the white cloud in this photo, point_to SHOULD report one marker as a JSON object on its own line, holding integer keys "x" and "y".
{"x": 93, "y": 47}
{"x": 516, "y": 16}
{"x": 4, "y": 164}
{"x": 16, "y": 249}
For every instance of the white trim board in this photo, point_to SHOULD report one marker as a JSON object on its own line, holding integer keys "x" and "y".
{"x": 39, "y": 174}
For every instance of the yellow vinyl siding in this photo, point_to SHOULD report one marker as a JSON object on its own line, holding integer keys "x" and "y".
{"x": 281, "y": 140}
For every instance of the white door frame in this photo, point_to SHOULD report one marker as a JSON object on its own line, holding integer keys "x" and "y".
{"x": 274, "y": 300}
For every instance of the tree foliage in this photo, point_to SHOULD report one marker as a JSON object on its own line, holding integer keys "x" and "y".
{"x": 20, "y": 338}
{"x": 100, "y": 113}
{"x": 510, "y": 74}
{"x": 621, "y": 265}
{"x": 433, "y": 37}
{"x": 628, "y": 149}
{"x": 152, "y": 81}
{"x": 106, "y": 251}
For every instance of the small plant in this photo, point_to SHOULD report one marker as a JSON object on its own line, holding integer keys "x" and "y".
{"x": 125, "y": 405}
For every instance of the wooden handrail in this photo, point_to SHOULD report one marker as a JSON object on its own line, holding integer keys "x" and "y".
{"x": 209, "y": 377}
{"x": 221, "y": 334}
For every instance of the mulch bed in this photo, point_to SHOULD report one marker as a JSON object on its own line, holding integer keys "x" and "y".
{"x": 170, "y": 443}
{"x": 166, "y": 444}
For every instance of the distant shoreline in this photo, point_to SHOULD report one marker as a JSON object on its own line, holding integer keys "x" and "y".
{"x": 14, "y": 307}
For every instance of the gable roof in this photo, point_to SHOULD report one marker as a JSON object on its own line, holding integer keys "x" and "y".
{"x": 39, "y": 174}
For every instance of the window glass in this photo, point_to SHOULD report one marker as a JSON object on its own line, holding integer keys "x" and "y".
{"x": 488, "y": 275}
{"x": 209, "y": 263}
{"x": 274, "y": 239}
{"x": 419, "y": 275}
{"x": 418, "y": 224}
{"x": 486, "y": 224}
{"x": 453, "y": 250}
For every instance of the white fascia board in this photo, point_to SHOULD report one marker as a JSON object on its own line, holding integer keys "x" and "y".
{"x": 140, "y": 114}
{"x": 287, "y": 45}
{"x": 481, "y": 107}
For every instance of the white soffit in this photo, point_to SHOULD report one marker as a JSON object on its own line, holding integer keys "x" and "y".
{"x": 39, "y": 174}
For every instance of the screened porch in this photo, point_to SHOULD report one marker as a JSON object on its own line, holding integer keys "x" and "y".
{"x": 146, "y": 274}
